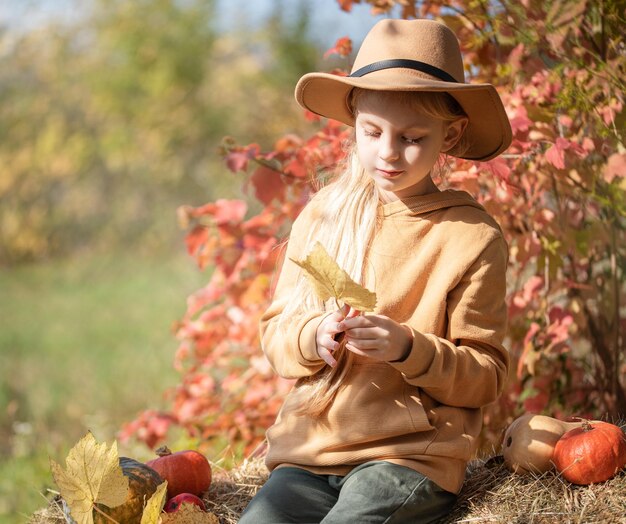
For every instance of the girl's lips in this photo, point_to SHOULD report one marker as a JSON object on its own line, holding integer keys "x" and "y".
{"x": 389, "y": 173}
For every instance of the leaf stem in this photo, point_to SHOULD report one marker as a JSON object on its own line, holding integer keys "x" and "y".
{"x": 108, "y": 517}
{"x": 339, "y": 306}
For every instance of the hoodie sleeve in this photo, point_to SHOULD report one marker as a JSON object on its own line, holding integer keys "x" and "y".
{"x": 289, "y": 344}
{"x": 469, "y": 366}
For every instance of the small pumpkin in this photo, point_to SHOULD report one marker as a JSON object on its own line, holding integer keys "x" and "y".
{"x": 591, "y": 453}
{"x": 529, "y": 442}
{"x": 143, "y": 481}
{"x": 186, "y": 471}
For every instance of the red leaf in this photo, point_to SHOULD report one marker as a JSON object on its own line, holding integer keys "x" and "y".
{"x": 560, "y": 323}
{"x": 526, "y": 358}
{"x": 537, "y": 403}
{"x": 499, "y": 168}
{"x": 530, "y": 334}
{"x": 209, "y": 294}
{"x": 287, "y": 143}
{"x": 222, "y": 210}
{"x": 237, "y": 161}
{"x": 195, "y": 239}
{"x": 615, "y": 167}
{"x": 238, "y": 158}
{"x": 266, "y": 220}
{"x": 343, "y": 47}
{"x": 556, "y": 154}
{"x": 195, "y": 212}
{"x": 528, "y": 292}
{"x": 346, "y": 5}
{"x": 268, "y": 185}
{"x": 151, "y": 427}
{"x": 311, "y": 116}
{"x": 296, "y": 168}
{"x": 229, "y": 211}
{"x": 519, "y": 120}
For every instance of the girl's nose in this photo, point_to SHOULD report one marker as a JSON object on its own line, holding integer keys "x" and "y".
{"x": 388, "y": 149}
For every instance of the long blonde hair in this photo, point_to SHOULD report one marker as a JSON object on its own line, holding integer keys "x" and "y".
{"x": 347, "y": 222}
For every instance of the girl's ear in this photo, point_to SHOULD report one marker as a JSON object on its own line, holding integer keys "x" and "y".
{"x": 453, "y": 133}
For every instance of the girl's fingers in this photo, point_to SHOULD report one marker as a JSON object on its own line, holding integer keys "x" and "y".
{"x": 332, "y": 324}
{"x": 336, "y": 328}
{"x": 356, "y": 350}
{"x": 330, "y": 343}
{"x": 358, "y": 321}
{"x": 365, "y": 343}
{"x": 345, "y": 311}
{"x": 366, "y": 333}
{"x": 327, "y": 357}
{"x": 352, "y": 313}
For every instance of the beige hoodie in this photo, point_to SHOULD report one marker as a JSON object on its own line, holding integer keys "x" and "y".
{"x": 438, "y": 266}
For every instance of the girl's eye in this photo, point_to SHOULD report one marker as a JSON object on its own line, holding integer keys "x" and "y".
{"x": 374, "y": 134}
{"x": 413, "y": 140}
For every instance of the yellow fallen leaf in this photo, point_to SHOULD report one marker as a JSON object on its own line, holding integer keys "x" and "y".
{"x": 189, "y": 514}
{"x": 330, "y": 281}
{"x": 92, "y": 474}
{"x": 152, "y": 512}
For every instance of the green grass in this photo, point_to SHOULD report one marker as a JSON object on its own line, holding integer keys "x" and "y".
{"x": 85, "y": 344}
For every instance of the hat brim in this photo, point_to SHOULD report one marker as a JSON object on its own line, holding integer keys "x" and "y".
{"x": 488, "y": 129}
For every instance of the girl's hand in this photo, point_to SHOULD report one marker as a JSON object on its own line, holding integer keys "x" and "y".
{"x": 327, "y": 331}
{"x": 377, "y": 337}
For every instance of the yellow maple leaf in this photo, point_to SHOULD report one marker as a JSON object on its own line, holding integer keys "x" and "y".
{"x": 92, "y": 474}
{"x": 330, "y": 281}
{"x": 152, "y": 511}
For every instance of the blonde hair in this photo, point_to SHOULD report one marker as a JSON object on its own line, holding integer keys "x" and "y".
{"x": 346, "y": 224}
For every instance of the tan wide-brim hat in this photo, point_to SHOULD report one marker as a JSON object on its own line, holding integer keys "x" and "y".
{"x": 413, "y": 55}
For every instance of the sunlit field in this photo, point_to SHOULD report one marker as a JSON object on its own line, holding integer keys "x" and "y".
{"x": 85, "y": 343}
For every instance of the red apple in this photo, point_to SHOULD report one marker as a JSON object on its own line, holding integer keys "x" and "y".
{"x": 173, "y": 504}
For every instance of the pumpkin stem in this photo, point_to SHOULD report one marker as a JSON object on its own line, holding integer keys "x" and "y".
{"x": 163, "y": 451}
{"x": 586, "y": 425}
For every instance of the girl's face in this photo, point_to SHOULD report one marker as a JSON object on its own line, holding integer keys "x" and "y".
{"x": 398, "y": 146}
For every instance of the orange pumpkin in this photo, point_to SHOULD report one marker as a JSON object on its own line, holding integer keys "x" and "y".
{"x": 592, "y": 453}
{"x": 186, "y": 471}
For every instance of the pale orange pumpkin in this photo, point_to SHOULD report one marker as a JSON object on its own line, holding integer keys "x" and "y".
{"x": 592, "y": 453}
{"x": 529, "y": 442}
{"x": 186, "y": 471}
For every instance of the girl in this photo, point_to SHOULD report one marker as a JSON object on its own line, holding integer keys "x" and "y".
{"x": 387, "y": 406}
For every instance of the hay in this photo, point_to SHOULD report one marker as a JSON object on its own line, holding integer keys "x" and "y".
{"x": 491, "y": 494}
{"x": 52, "y": 514}
{"x": 231, "y": 491}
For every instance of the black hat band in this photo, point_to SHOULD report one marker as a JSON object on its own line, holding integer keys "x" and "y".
{"x": 405, "y": 63}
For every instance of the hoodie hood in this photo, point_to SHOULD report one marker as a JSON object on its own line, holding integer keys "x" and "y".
{"x": 422, "y": 204}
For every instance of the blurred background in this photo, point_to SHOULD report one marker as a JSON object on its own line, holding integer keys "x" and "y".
{"x": 111, "y": 116}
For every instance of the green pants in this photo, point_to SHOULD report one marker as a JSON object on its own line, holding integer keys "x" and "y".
{"x": 375, "y": 492}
